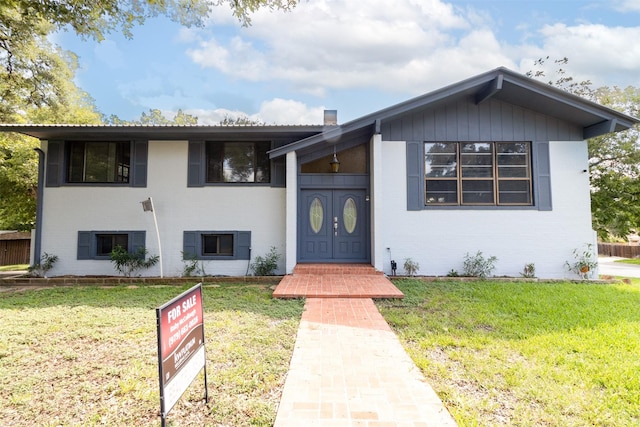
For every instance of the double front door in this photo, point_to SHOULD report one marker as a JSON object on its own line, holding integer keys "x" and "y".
{"x": 333, "y": 226}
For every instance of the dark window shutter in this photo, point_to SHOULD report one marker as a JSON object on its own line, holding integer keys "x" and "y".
{"x": 542, "y": 169}
{"x": 84, "y": 245}
{"x": 190, "y": 244}
{"x": 415, "y": 176}
{"x": 139, "y": 163}
{"x": 243, "y": 245}
{"x": 55, "y": 163}
{"x": 196, "y": 164}
{"x": 278, "y": 172}
{"x": 137, "y": 240}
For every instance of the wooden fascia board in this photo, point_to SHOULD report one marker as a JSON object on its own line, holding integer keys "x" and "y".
{"x": 331, "y": 136}
{"x": 598, "y": 129}
{"x": 490, "y": 89}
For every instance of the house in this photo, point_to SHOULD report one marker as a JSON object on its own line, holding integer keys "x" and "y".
{"x": 496, "y": 163}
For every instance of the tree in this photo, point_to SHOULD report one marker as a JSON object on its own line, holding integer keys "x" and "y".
{"x": 562, "y": 80}
{"x": 18, "y": 182}
{"x": 614, "y": 165}
{"x": 242, "y": 120}
{"x": 156, "y": 117}
{"x": 19, "y": 161}
{"x": 95, "y": 19}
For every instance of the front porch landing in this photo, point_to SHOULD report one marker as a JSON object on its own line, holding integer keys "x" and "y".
{"x": 336, "y": 281}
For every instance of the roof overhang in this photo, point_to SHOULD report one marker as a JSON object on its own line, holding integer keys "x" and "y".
{"x": 501, "y": 84}
{"x": 161, "y": 132}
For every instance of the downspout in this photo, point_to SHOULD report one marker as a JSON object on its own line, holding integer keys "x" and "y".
{"x": 37, "y": 243}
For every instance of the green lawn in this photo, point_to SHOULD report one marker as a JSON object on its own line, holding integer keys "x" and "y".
{"x": 525, "y": 354}
{"x": 16, "y": 267}
{"x": 88, "y": 356}
{"x": 635, "y": 261}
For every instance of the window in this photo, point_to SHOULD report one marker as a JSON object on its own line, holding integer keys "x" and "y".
{"x": 99, "y": 244}
{"x": 477, "y": 173}
{"x": 106, "y": 243}
{"x": 98, "y": 162}
{"x": 217, "y": 245}
{"x": 237, "y": 162}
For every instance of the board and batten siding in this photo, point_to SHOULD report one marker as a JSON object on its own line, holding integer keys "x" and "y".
{"x": 492, "y": 120}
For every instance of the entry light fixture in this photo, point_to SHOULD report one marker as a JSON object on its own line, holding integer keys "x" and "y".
{"x": 335, "y": 163}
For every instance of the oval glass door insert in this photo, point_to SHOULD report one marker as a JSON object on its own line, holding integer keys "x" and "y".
{"x": 316, "y": 215}
{"x": 350, "y": 215}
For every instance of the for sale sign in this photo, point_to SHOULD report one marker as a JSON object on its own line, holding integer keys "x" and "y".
{"x": 181, "y": 354}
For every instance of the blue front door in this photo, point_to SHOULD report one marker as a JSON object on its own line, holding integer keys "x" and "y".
{"x": 333, "y": 226}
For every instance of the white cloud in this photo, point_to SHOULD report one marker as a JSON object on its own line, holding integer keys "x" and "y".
{"x": 324, "y": 44}
{"x": 410, "y": 47}
{"x": 627, "y": 5}
{"x": 289, "y": 112}
{"x": 604, "y": 55}
{"x": 273, "y": 112}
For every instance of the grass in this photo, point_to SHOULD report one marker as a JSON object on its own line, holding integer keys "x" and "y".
{"x": 525, "y": 354}
{"x": 15, "y": 267}
{"x": 635, "y": 261}
{"x": 88, "y": 356}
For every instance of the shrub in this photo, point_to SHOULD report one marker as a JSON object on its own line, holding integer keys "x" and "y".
{"x": 585, "y": 263}
{"x": 479, "y": 266}
{"x": 46, "y": 263}
{"x": 128, "y": 263}
{"x": 267, "y": 265}
{"x": 411, "y": 267}
{"x": 529, "y": 271}
{"x": 192, "y": 266}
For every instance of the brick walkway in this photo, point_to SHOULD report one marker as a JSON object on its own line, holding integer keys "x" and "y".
{"x": 349, "y": 369}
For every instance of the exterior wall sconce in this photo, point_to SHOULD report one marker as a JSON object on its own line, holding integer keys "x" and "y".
{"x": 335, "y": 163}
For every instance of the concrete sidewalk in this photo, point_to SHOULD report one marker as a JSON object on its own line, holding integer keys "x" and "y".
{"x": 349, "y": 369}
{"x": 608, "y": 266}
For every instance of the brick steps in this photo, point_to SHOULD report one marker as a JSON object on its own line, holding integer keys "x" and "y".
{"x": 336, "y": 281}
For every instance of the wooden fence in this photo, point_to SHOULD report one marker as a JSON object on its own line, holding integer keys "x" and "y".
{"x": 15, "y": 248}
{"x": 619, "y": 249}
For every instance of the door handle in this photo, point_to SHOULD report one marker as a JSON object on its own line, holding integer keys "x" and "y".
{"x": 335, "y": 225}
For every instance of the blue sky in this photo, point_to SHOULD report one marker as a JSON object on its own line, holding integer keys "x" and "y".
{"x": 350, "y": 55}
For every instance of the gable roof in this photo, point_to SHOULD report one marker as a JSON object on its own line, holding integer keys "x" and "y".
{"x": 502, "y": 84}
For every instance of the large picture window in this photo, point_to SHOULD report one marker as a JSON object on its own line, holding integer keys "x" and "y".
{"x": 477, "y": 173}
{"x": 98, "y": 162}
{"x": 238, "y": 162}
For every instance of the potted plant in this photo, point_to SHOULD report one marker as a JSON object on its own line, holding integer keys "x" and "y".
{"x": 585, "y": 262}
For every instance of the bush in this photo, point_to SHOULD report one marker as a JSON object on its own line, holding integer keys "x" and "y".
{"x": 585, "y": 262}
{"x": 128, "y": 263}
{"x": 478, "y": 266}
{"x": 411, "y": 267}
{"x": 46, "y": 263}
{"x": 192, "y": 266}
{"x": 529, "y": 271}
{"x": 267, "y": 265}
